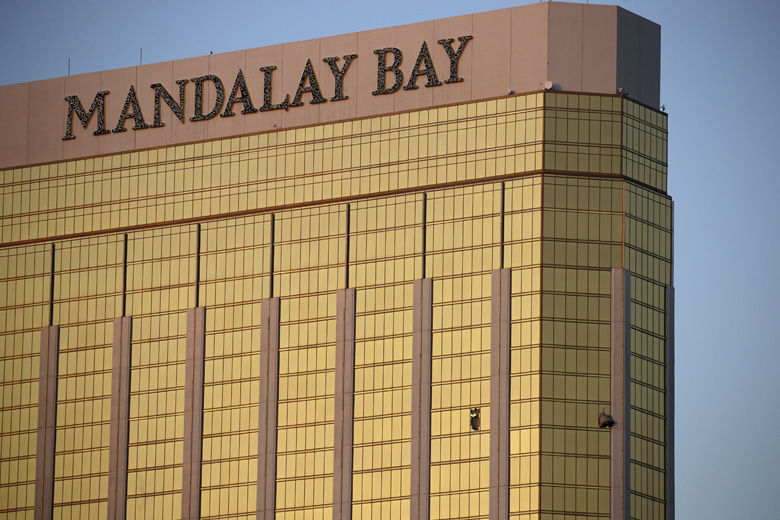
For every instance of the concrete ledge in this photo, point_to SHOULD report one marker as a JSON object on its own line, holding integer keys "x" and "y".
{"x": 268, "y": 408}
{"x": 422, "y": 340}
{"x": 47, "y": 422}
{"x": 620, "y": 454}
{"x": 499, "y": 392}
{"x": 193, "y": 414}
{"x": 120, "y": 416}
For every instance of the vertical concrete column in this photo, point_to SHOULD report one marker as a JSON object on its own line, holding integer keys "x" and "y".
{"x": 620, "y": 385}
{"x": 47, "y": 422}
{"x": 268, "y": 408}
{"x": 669, "y": 393}
{"x": 193, "y": 413}
{"x": 120, "y": 416}
{"x": 422, "y": 341}
{"x": 501, "y": 289}
{"x": 344, "y": 404}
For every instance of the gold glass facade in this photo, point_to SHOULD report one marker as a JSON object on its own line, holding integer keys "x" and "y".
{"x": 559, "y": 188}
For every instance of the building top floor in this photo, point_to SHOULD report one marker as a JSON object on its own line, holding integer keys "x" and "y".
{"x": 551, "y": 45}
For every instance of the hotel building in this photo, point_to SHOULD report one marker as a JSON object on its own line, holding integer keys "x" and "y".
{"x": 421, "y": 272}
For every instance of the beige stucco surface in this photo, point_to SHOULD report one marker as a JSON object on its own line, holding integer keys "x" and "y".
{"x": 578, "y": 47}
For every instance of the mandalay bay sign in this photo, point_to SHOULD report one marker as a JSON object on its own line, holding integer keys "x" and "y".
{"x": 390, "y": 79}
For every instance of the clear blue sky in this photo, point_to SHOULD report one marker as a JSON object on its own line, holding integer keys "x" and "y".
{"x": 720, "y": 69}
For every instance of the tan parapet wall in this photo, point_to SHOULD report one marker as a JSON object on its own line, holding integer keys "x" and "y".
{"x": 579, "y": 48}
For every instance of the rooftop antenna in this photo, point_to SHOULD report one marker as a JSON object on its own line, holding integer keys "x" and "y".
{"x": 141, "y": 56}
{"x": 68, "y": 66}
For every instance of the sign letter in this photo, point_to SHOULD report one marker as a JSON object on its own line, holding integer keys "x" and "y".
{"x": 136, "y": 114}
{"x": 382, "y": 70}
{"x": 199, "y": 97}
{"x": 338, "y": 75}
{"x": 429, "y": 71}
{"x": 267, "y": 71}
{"x": 178, "y": 109}
{"x": 74, "y": 105}
{"x": 454, "y": 56}
{"x": 313, "y": 88}
{"x": 245, "y": 100}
